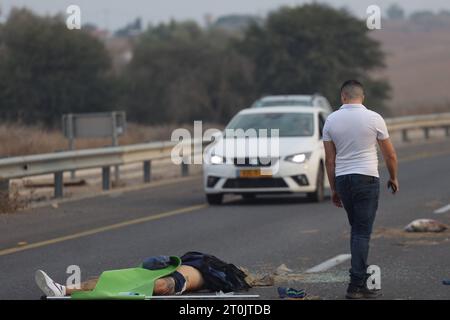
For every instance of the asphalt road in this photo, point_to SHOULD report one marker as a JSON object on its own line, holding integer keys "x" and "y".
{"x": 119, "y": 230}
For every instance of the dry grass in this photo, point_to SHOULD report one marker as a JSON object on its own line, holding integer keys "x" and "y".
{"x": 419, "y": 109}
{"x": 20, "y": 140}
{"x": 12, "y": 202}
{"x": 418, "y": 67}
{"x": 17, "y": 140}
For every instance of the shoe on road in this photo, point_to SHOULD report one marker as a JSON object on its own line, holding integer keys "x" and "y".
{"x": 361, "y": 292}
{"x": 48, "y": 286}
{"x": 290, "y": 293}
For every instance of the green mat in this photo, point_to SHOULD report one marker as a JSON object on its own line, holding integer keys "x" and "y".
{"x": 126, "y": 284}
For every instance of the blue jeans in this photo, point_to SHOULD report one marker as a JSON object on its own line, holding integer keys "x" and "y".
{"x": 359, "y": 195}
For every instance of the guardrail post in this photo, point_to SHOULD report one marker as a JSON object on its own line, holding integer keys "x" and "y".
{"x": 184, "y": 168}
{"x": 115, "y": 143}
{"x": 147, "y": 171}
{"x": 426, "y": 132}
{"x": 4, "y": 188}
{"x": 106, "y": 178}
{"x": 117, "y": 174}
{"x": 59, "y": 184}
{"x": 405, "y": 135}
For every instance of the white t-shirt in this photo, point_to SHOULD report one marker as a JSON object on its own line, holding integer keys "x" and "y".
{"x": 354, "y": 131}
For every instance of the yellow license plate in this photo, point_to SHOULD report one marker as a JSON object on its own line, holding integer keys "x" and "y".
{"x": 251, "y": 174}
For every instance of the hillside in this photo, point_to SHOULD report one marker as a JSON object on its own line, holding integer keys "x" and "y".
{"x": 418, "y": 66}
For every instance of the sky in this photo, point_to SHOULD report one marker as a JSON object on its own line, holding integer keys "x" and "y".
{"x": 114, "y": 14}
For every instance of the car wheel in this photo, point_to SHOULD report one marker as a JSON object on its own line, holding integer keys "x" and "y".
{"x": 248, "y": 196}
{"x": 214, "y": 198}
{"x": 319, "y": 194}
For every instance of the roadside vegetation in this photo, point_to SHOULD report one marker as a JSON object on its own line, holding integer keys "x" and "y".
{"x": 180, "y": 71}
{"x": 17, "y": 140}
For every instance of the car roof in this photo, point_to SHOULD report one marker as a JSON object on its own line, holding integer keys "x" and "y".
{"x": 284, "y": 109}
{"x": 289, "y": 97}
{"x": 303, "y": 101}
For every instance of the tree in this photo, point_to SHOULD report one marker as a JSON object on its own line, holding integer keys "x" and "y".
{"x": 395, "y": 12}
{"x": 314, "y": 48}
{"x": 181, "y": 72}
{"x": 131, "y": 29}
{"x": 47, "y": 70}
{"x": 236, "y": 22}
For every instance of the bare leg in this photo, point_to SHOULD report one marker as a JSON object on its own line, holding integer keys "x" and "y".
{"x": 166, "y": 286}
{"x": 194, "y": 279}
{"x": 163, "y": 286}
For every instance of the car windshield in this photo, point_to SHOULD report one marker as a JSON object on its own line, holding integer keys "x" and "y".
{"x": 288, "y": 124}
{"x": 282, "y": 103}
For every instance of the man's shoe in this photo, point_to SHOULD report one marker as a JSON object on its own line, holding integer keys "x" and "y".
{"x": 361, "y": 292}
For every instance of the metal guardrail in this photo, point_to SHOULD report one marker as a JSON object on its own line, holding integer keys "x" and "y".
{"x": 105, "y": 158}
{"x": 423, "y": 122}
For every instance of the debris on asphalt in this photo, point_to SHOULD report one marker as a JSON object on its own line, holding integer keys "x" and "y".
{"x": 324, "y": 277}
{"x": 394, "y": 233}
{"x": 272, "y": 279}
{"x": 259, "y": 280}
{"x": 290, "y": 293}
{"x": 425, "y": 225}
{"x": 405, "y": 238}
{"x": 282, "y": 270}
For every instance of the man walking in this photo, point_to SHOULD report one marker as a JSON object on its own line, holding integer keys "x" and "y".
{"x": 350, "y": 137}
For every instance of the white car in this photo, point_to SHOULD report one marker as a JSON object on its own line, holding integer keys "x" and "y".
{"x": 244, "y": 168}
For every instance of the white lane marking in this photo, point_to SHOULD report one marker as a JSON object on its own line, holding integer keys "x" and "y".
{"x": 329, "y": 263}
{"x": 442, "y": 210}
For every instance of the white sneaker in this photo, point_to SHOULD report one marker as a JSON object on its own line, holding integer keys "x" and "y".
{"x": 48, "y": 286}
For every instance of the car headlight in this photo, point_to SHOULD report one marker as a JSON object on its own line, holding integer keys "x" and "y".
{"x": 216, "y": 159}
{"x": 298, "y": 158}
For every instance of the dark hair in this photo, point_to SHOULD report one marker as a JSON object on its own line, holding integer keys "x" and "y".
{"x": 352, "y": 89}
{"x": 352, "y": 83}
